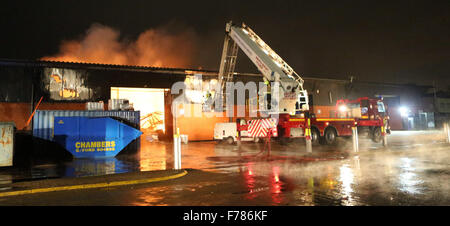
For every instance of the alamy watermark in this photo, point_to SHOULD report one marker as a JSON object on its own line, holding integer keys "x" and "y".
{"x": 195, "y": 97}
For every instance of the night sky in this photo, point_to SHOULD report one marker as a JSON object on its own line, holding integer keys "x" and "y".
{"x": 387, "y": 41}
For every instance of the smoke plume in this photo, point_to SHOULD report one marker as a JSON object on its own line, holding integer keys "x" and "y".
{"x": 159, "y": 47}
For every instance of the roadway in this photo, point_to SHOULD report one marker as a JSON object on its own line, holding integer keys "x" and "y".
{"x": 413, "y": 170}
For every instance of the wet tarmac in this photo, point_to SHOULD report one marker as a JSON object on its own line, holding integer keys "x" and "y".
{"x": 413, "y": 170}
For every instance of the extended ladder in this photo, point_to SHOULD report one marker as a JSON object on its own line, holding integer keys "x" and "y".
{"x": 274, "y": 56}
{"x": 227, "y": 65}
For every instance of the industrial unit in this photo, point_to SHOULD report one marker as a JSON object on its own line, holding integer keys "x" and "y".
{"x": 69, "y": 86}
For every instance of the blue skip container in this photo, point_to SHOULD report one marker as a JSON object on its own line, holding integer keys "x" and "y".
{"x": 93, "y": 137}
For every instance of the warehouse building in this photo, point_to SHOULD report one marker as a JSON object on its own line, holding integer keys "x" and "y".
{"x": 69, "y": 86}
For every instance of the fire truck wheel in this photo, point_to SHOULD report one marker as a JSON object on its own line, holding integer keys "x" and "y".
{"x": 230, "y": 140}
{"x": 315, "y": 136}
{"x": 330, "y": 136}
{"x": 376, "y": 135}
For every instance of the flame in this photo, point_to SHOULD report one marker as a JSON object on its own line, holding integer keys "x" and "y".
{"x": 56, "y": 78}
{"x": 67, "y": 93}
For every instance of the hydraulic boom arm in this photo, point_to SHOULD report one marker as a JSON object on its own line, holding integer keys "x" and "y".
{"x": 292, "y": 96}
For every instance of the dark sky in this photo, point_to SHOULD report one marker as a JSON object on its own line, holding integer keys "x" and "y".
{"x": 389, "y": 41}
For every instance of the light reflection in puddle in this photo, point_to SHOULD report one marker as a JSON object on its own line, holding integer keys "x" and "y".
{"x": 346, "y": 178}
{"x": 408, "y": 178}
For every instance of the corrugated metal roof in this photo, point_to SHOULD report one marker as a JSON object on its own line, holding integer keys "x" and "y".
{"x": 165, "y": 70}
{"x": 95, "y": 66}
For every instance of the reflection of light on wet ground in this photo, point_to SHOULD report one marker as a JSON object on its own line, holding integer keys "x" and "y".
{"x": 250, "y": 183}
{"x": 346, "y": 178}
{"x": 277, "y": 186}
{"x": 408, "y": 179}
{"x": 152, "y": 156}
{"x": 4, "y": 181}
{"x": 94, "y": 167}
{"x": 366, "y": 178}
{"x": 149, "y": 164}
{"x": 262, "y": 182}
{"x": 328, "y": 182}
{"x": 249, "y": 178}
{"x": 276, "y": 173}
{"x": 170, "y": 195}
{"x": 150, "y": 197}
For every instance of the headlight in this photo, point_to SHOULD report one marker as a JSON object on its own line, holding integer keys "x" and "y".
{"x": 343, "y": 108}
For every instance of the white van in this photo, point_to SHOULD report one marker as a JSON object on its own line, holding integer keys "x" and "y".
{"x": 227, "y": 131}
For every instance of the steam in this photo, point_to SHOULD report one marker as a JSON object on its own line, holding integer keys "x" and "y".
{"x": 159, "y": 47}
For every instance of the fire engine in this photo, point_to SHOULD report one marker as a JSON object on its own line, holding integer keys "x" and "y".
{"x": 292, "y": 107}
{"x": 369, "y": 115}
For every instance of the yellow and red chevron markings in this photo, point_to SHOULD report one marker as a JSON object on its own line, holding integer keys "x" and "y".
{"x": 261, "y": 127}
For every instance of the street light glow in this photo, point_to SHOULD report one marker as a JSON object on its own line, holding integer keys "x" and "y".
{"x": 403, "y": 111}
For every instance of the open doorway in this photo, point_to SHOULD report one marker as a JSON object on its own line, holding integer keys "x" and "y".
{"x": 149, "y": 101}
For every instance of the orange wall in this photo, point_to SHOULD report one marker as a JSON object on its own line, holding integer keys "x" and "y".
{"x": 15, "y": 112}
{"x": 198, "y": 127}
{"x": 323, "y": 111}
{"x": 20, "y": 112}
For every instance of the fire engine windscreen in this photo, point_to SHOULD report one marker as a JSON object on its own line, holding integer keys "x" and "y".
{"x": 381, "y": 108}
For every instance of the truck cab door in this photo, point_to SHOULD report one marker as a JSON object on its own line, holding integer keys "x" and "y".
{"x": 365, "y": 111}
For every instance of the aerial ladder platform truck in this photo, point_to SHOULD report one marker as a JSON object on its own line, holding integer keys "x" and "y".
{"x": 288, "y": 96}
{"x": 293, "y": 97}
{"x": 290, "y": 105}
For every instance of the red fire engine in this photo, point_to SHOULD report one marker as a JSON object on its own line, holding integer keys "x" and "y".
{"x": 292, "y": 109}
{"x": 367, "y": 114}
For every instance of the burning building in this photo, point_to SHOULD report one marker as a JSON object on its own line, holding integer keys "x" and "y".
{"x": 68, "y": 86}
